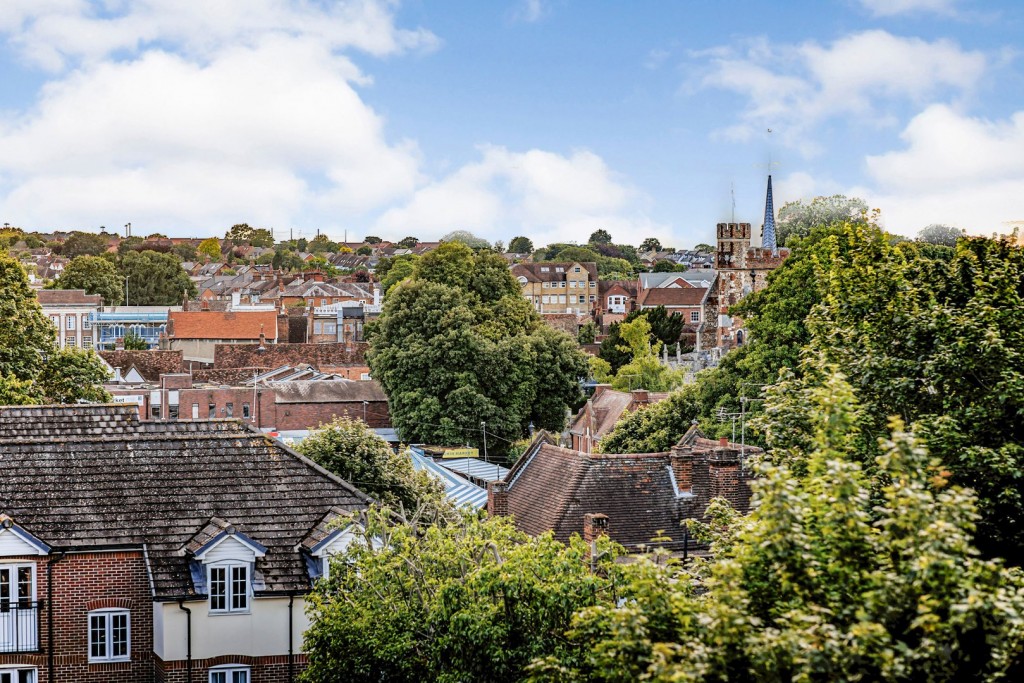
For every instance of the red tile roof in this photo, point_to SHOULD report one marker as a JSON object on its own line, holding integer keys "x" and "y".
{"x": 672, "y": 297}
{"x": 57, "y": 297}
{"x": 222, "y": 325}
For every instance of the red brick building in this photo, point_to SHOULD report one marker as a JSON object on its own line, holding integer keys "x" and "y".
{"x": 145, "y": 553}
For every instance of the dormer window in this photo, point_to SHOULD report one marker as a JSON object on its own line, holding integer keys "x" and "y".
{"x": 225, "y": 558}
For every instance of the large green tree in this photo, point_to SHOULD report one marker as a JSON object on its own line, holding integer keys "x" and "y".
{"x": 94, "y": 274}
{"x": 210, "y": 247}
{"x": 73, "y": 376}
{"x": 155, "y": 279}
{"x": 521, "y": 245}
{"x": 665, "y": 327}
{"x": 243, "y": 233}
{"x": 457, "y": 345}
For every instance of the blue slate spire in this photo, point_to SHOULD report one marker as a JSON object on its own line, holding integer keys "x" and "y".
{"x": 768, "y": 230}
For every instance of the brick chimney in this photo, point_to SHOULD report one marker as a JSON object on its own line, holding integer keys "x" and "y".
{"x": 594, "y": 525}
{"x": 682, "y": 469}
{"x": 726, "y": 479}
{"x": 641, "y": 396}
{"x": 600, "y": 389}
{"x": 497, "y": 499}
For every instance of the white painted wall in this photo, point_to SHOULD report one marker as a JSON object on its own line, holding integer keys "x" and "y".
{"x": 12, "y": 546}
{"x": 262, "y": 632}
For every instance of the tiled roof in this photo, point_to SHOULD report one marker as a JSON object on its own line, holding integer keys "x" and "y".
{"x": 67, "y": 297}
{"x": 603, "y": 411}
{"x": 672, "y": 296}
{"x": 222, "y": 325}
{"x": 94, "y": 476}
{"x": 558, "y": 486}
{"x": 150, "y": 364}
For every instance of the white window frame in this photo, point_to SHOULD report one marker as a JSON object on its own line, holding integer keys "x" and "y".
{"x": 229, "y": 670}
{"x": 10, "y": 673}
{"x": 694, "y": 316}
{"x": 108, "y": 638}
{"x": 229, "y": 587}
{"x": 69, "y": 323}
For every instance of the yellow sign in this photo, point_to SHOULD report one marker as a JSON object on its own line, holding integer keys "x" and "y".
{"x": 461, "y": 453}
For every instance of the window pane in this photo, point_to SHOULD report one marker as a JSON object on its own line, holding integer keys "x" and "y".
{"x": 26, "y": 676}
{"x": 240, "y": 677}
{"x": 218, "y": 589}
{"x": 98, "y": 636}
{"x": 239, "y": 587}
{"x": 119, "y": 635}
{"x": 218, "y": 677}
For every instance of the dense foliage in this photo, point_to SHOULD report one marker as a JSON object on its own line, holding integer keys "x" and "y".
{"x": 457, "y": 345}
{"x": 32, "y": 368}
{"x": 155, "y": 279}
{"x": 462, "y": 603}
{"x": 840, "y": 573}
{"x": 95, "y": 275}
{"x": 665, "y": 327}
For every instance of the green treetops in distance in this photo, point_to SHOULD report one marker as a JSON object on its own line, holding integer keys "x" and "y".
{"x": 94, "y": 274}
{"x": 457, "y": 345}
{"x": 210, "y": 247}
{"x": 155, "y": 279}
{"x": 520, "y": 245}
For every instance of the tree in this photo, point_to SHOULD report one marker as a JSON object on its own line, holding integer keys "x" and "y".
{"x": 704, "y": 248}
{"x": 74, "y": 376}
{"x": 587, "y": 333}
{"x": 398, "y": 268}
{"x": 600, "y": 236}
{"x": 668, "y": 267}
{"x": 185, "y": 251}
{"x": 644, "y": 370}
{"x": 210, "y": 247}
{"x": 942, "y": 235}
{"x": 133, "y": 341}
{"x": 322, "y": 244}
{"x": 155, "y": 279}
{"x": 651, "y": 244}
{"x": 26, "y": 335}
{"x": 520, "y": 245}
{"x": 364, "y": 250}
{"x": 457, "y": 346}
{"x": 467, "y": 238}
{"x": 266, "y": 258}
{"x": 409, "y": 242}
{"x": 84, "y": 244}
{"x": 834, "y": 576}
{"x": 475, "y": 601}
{"x": 665, "y": 327}
{"x": 574, "y": 254}
{"x": 372, "y": 239}
{"x": 351, "y": 450}
{"x": 128, "y": 244}
{"x": 797, "y": 219}
{"x": 243, "y": 233}
{"x": 95, "y": 275}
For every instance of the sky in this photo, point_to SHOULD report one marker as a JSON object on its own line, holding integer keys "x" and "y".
{"x": 544, "y": 118}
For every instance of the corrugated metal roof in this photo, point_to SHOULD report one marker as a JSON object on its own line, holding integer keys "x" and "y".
{"x": 474, "y": 467}
{"x": 459, "y": 490}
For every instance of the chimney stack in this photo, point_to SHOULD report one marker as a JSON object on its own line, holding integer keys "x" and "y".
{"x": 594, "y": 525}
{"x": 497, "y": 499}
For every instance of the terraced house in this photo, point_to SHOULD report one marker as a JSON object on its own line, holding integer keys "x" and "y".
{"x": 157, "y": 552}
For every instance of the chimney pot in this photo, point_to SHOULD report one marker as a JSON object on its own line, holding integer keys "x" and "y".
{"x": 723, "y": 441}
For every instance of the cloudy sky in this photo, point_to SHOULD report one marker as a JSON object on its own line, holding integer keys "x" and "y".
{"x": 549, "y": 118}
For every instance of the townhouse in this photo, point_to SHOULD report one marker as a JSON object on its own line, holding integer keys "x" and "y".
{"x": 569, "y": 287}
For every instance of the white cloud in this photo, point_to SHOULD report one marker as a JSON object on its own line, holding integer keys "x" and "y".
{"x": 276, "y": 127}
{"x": 548, "y": 196}
{"x": 530, "y": 10}
{"x": 888, "y": 8}
{"x": 54, "y": 33}
{"x": 791, "y": 88}
{"x": 955, "y": 169}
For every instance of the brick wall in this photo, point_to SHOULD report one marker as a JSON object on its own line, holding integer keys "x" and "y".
{"x": 81, "y": 583}
{"x": 262, "y": 669}
{"x": 310, "y": 415}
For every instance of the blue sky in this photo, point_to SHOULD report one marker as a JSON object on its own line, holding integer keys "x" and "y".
{"x": 549, "y": 118}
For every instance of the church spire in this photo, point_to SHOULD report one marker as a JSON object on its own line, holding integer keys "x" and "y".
{"x": 768, "y": 229}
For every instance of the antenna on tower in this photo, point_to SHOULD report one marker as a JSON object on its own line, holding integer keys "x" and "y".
{"x": 732, "y": 192}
